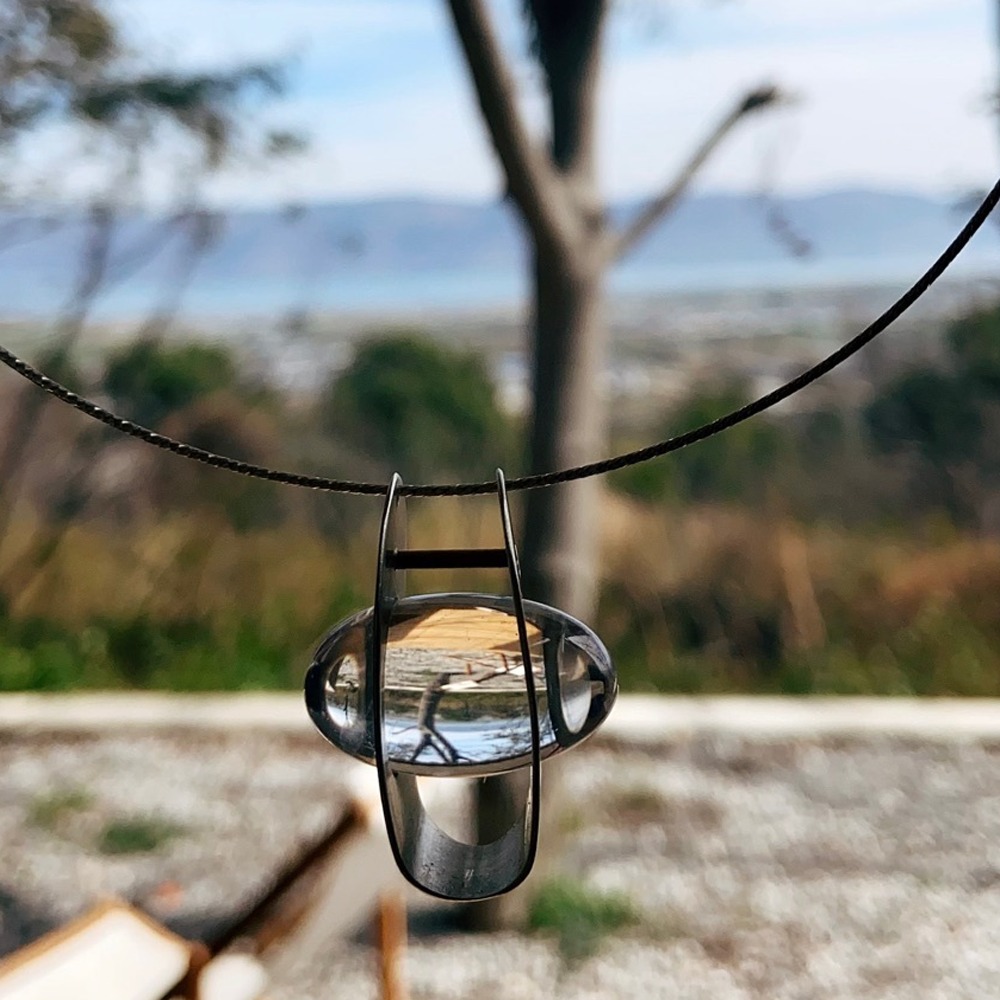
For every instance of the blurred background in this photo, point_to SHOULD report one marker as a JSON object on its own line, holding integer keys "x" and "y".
{"x": 353, "y": 237}
{"x": 280, "y": 232}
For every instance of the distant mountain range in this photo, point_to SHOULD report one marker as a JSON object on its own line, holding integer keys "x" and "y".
{"x": 398, "y": 253}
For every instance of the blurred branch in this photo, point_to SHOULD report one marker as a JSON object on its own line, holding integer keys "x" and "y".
{"x": 64, "y": 61}
{"x": 203, "y": 228}
{"x": 26, "y": 418}
{"x": 20, "y": 231}
{"x": 205, "y": 105}
{"x": 94, "y": 264}
{"x": 150, "y": 245}
{"x": 776, "y": 220}
{"x": 622, "y": 243}
{"x": 531, "y": 179}
{"x": 783, "y": 231}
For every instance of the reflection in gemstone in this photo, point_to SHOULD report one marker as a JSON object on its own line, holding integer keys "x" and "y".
{"x": 574, "y": 684}
{"x": 454, "y": 695}
{"x": 454, "y": 687}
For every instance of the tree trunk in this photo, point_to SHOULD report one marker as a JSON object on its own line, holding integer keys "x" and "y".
{"x": 555, "y": 191}
{"x": 561, "y": 533}
{"x": 560, "y": 537}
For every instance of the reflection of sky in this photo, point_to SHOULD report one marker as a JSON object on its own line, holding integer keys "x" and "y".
{"x": 481, "y": 741}
{"x": 891, "y": 90}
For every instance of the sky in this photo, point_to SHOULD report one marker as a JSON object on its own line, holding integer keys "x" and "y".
{"x": 886, "y": 93}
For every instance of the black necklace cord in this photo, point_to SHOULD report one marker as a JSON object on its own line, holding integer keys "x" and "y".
{"x": 535, "y": 482}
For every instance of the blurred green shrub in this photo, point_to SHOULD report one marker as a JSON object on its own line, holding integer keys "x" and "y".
{"x": 136, "y": 836}
{"x": 578, "y": 915}
{"x": 47, "y": 811}
{"x": 973, "y": 342}
{"x": 418, "y": 407}
{"x": 739, "y": 465}
{"x": 943, "y": 421}
{"x": 147, "y": 380}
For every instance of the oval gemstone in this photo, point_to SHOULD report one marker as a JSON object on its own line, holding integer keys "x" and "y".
{"x": 454, "y": 695}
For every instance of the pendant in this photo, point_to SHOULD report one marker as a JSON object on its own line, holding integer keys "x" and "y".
{"x": 457, "y": 684}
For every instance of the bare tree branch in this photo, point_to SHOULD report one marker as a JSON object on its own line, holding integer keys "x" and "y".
{"x": 203, "y": 228}
{"x": 531, "y": 178}
{"x": 621, "y": 243}
{"x": 26, "y": 419}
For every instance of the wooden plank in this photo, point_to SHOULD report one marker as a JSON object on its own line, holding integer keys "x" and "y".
{"x": 468, "y": 630}
{"x": 114, "y": 952}
{"x": 391, "y": 925}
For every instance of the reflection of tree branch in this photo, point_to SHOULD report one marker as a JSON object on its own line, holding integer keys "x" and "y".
{"x": 427, "y": 724}
{"x": 490, "y": 674}
{"x": 430, "y": 701}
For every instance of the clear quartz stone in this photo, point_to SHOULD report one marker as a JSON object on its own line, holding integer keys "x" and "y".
{"x": 454, "y": 696}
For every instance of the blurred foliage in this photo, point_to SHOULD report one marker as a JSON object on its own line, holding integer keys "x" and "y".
{"x": 943, "y": 421}
{"x": 418, "y": 408}
{"x": 49, "y": 810}
{"x": 847, "y": 549}
{"x": 201, "y": 104}
{"x": 148, "y": 380}
{"x": 223, "y": 424}
{"x": 738, "y": 465}
{"x": 49, "y": 49}
{"x": 194, "y": 392}
{"x": 65, "y": 61}
{"x": 930, "y": 411}
{"x": 136, "y": 836}
{"x": 974, "y": 344}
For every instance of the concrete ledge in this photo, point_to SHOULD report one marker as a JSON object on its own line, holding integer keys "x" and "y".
{"x": 636, "y": 718}
{"x": 274, "y": 712}
{"x": 644, "y": 718}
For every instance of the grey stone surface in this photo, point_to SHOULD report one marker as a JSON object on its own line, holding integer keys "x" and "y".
{"x": 854, "y": 869}
{"x": 830, "y": 867}
{"x": 226, "y": 812}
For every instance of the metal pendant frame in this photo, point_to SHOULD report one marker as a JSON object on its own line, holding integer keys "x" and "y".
{"x": 429, "y": 858}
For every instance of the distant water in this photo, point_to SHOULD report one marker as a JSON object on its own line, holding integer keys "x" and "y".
{"x": 814, "y": 272}
{"x": 374, "y": 293}
{"x": 475, "y": 289}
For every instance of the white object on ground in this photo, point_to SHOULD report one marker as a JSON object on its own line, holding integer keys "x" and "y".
{"x": 350, "y": 884}
{"x": 112, "y": 953}
{"x": 232, "y": 977}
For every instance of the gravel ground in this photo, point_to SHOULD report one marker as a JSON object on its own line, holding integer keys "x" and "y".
{"x": 857, "y": 867}
{"x": 224, "y": 813}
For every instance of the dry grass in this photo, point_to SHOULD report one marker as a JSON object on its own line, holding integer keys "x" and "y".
{"x": 701, "y": 598}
